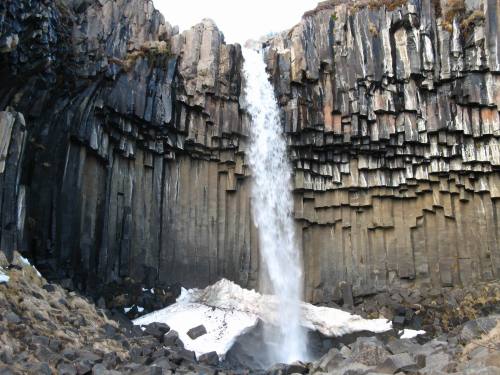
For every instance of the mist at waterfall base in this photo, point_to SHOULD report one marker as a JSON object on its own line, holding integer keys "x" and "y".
{"x": 272, "y": 204}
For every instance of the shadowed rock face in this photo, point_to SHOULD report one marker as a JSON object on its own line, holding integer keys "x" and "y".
{"x": 134, "y": 154}
{"x": 122, "y": 145}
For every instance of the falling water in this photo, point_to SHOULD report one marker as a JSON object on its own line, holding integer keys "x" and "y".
{"x": 272, "y": 204}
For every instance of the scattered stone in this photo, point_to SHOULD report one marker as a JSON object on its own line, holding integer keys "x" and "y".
{"x": 211, "y": 359}
{"x": 398, "y": 321}
{"x": 157, "y": 330}
{"x": 397, "y": 362}
{"x": 41, "y": 369}
{"x": 350, "y": 368}
{"x": 49, "y": 288}
{"x": 171, "y": 338}
{"x": 197, "y": 331}
{"x": 83, "y": 366}
{"x": 297, "y": 368}
{"x": 148, "y": 370}
{"x": 331, "y": 359}
{"x": 369, "y": 351}
{"x": 347, "y": 297}
{"x": 66, "y": 369}
{"x": 12, "y": 318}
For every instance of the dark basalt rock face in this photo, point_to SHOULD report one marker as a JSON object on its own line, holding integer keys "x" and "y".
{"x": 133, "y": 153}
{"x": 393, "y": 126}
{"x": 122, "y": 145}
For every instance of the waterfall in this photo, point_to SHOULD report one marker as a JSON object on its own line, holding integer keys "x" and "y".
{"x": 272, "y": 204}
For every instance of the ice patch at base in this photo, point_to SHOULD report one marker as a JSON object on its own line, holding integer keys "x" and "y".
{"x": 228, "y": 311}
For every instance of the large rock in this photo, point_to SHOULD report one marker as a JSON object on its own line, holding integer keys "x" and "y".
{"x": 398, "y": 362}
{"x": 196, "y": 332}
{"x": 369, "y": 351}
{"x": 157, "y": 330}
{"x": 211, "y": 359}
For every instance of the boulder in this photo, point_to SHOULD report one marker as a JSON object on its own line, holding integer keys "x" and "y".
{"x": 397, "y": 362}
{"x": 197, "y": 331}
{"x": 211, "y": 359}
{"x": 369, "y": 351}
{"x": 66, "y": 369}
{"x": 330, "y": 359}
{"x": 171, "y": 338}
{"x": 437, "y": 362}
{"x": 157, "y": 330}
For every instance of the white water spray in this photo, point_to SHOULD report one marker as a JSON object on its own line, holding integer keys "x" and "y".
{"x": 272, "y": 204}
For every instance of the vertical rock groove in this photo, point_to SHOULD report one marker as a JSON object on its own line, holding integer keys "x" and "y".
{"x": 123, "y": 143}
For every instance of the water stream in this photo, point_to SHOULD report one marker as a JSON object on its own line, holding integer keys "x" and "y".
{"x": 272, "y": 204}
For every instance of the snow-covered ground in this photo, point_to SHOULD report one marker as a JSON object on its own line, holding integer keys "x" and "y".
{"x": 228, "y": 311}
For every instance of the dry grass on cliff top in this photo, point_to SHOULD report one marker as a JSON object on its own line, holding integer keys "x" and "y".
{"x": 448, "y": 10}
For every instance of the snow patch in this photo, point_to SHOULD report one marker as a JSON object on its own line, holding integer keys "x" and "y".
{"x": 127, "y": 309}
{"x": 24, "y": 261}
{"x": 410, "y": 333}
{"x": 228, "y": 311}
{"x": 4, "y": 279}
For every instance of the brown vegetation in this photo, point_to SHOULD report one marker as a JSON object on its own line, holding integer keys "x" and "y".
{"x": 453, "y": 9}
{"x": 149, "y": 50}
{"x": 474, "y": 18}
{"x": 373, "y": 29}
{"x": 456, "y": 9}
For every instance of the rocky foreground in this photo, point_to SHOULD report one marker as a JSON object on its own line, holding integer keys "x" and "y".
{"x": 46, "y": 329}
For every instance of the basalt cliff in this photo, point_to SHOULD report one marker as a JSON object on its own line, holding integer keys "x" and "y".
{"x": 122, "y": 144}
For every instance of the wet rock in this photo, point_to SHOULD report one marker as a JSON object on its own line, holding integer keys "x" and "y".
{"x": 350, "y": 368}
{"x": 297, "y": 368}
{"x": 331, "y": 359}
{"x": 196, "y": 332}
{"x": 83, "y": 366}
{"x": 211, "y": 359}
